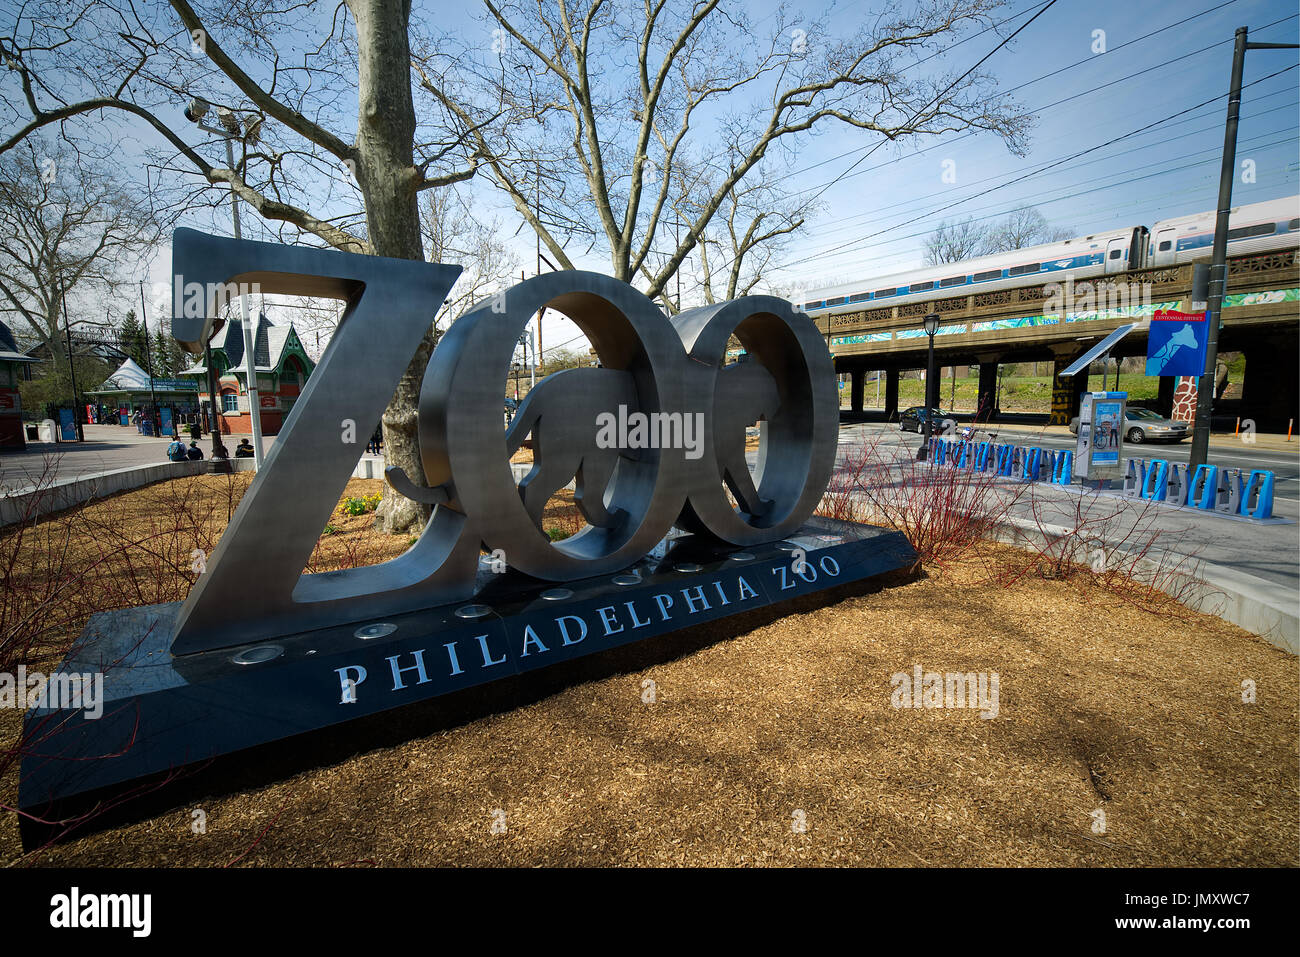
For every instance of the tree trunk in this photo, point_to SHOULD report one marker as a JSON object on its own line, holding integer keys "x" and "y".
{"x": 387, "y": 176}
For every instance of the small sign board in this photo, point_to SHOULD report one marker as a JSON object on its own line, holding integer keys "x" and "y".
{"x": 67, "y": 426}
{"x": 1176, "y": 343}
{"x": 1100, "y": 453}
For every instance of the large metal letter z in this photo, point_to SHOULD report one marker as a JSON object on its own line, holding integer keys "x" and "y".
{"x": 253, "y": 587}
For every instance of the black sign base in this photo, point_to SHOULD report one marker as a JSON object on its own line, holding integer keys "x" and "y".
{"x": 163, "y": 713}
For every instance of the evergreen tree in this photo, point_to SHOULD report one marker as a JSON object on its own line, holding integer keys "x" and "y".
{"x": 164, "y": 357}
{"x": 133, "y": 340}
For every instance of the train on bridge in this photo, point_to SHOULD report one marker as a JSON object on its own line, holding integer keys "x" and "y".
{"x": 1272, "y": 226}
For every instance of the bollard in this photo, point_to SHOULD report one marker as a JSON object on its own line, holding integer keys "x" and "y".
{"x": 1176, "y": 485}
{"x": 1257, "y": 499}
{"x": 1156, "y": 480}
{"x": 1135, "y": 478}
{"x": 1204, "y": 481}
{"x": 981, "y": 457}
{"x": 1227, "y": 492}
{"x": 1064, "y": 468}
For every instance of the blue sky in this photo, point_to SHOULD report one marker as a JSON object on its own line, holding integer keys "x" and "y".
{"x": 877, "y": 217}
{"x": 1170, "y": 170}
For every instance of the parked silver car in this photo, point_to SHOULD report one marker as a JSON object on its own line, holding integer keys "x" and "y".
{"x": 1143, "y": 425}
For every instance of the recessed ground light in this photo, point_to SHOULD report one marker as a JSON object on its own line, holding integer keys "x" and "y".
{"x": 258, "y": 655}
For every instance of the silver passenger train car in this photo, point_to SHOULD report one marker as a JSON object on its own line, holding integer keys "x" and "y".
{"x": 1254, "y": 228}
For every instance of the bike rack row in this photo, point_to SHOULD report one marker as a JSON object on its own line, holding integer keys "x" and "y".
{"x": 1024, "y": 462}
{"x": 1210, "y": 488}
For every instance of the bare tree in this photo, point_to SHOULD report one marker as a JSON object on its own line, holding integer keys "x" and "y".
{"x": 350, "y": 182}
{"x": 955, "y": 241}
{"x": 752, "y": 228}
{"x": 65, "y": 226}
{"x": 1022, "y": 228}
{"x": 968, "y": 238}
{"x": 453, "y": 233}
{"x": 603, "y": 102}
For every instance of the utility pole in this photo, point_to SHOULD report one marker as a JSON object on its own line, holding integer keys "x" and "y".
{"x": 148, "y": 358}
{"x": 67, "y": 332}
{"x": 1219, "y": 260}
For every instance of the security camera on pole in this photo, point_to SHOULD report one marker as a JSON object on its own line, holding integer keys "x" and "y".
{"x": 231, "y": 129}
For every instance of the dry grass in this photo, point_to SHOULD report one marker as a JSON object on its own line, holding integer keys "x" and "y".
{"x": 1103, "y": 706}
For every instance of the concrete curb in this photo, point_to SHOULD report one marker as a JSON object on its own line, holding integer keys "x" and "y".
{"x": 1262, "y": 608}
{"x": 14, "y": 505}
{"x": 58, "y": 496}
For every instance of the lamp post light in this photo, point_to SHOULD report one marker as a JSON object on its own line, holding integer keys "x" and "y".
{"x": 231, "y": 129}
{"x": 931, "y": 324}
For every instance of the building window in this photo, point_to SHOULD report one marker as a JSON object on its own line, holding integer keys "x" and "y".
{"x": 229, "y": 402}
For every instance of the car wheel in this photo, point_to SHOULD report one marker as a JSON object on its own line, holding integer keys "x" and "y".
{"x": 1135, "y": 436}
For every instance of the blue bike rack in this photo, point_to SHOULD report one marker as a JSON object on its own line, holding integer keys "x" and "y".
{"x": 1176, "y": 487}
{"x": 1047, "y": 466}
{"x": 1135, "y": 478}
{"x": 1028, "y": 464}
{"x": 1257, "y": 499}
{"x": 1154, "y": 484}
{"x": 1228, "y": 491}
{"x": 1204, "y": 485}
{"x": 1064, "y": 472}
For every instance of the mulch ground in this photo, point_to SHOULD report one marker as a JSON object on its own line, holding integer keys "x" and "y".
{"x": 781, "y": 747}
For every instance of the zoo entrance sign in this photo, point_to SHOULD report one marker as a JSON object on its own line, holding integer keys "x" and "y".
{"x": 679, "y": 530}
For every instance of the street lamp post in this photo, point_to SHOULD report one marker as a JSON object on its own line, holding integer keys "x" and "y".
{"x": 229, "y": 131}
{"x": 931, "y": 324}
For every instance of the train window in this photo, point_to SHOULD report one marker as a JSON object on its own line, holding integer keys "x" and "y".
{"x": 952, "y": 281}
{"x": 860, "y": 297}
{"x": 1164, "y": 247}
{"x": 835, "y": 302}
{"x": 1245, "y": 232}
{"x": 922, "y": 286}
{"x": 987, "y": 274}
{"x": 882, "y": 293}
{"x": 1116, "y": 253}
{"x": 1025, "y": 269}
{"x": 1293, "y": 225}
{"x": 813, "y": 305}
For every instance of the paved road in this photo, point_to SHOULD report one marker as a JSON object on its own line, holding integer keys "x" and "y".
{"x": 1269, "y": 552}
{"x": 107, "y": 447}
